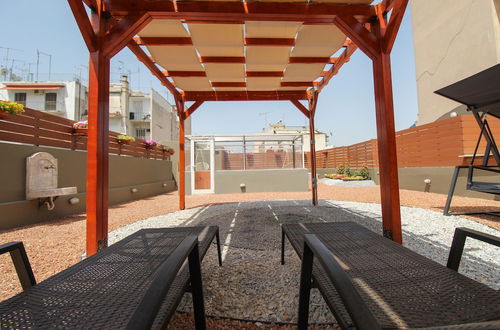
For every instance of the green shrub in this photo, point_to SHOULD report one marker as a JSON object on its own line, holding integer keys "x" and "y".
{"x": 362, "y": 173}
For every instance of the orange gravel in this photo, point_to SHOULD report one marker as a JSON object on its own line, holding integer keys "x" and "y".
{"x": 55, "y": 245}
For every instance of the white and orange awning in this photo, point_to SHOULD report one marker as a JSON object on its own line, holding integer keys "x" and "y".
{"x": 32, "y": 86}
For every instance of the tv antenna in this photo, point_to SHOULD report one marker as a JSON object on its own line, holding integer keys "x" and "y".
{"x": 266, "y": 123}
{"x": 38, "y": 53}
{"x": 6, "y": 59}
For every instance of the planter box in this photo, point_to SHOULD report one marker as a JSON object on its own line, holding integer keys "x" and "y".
{"x": 80, "y": 131}
{"x": 124, "y": 141}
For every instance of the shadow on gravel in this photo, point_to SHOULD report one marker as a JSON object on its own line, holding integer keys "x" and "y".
{"x": 257, "y": 226}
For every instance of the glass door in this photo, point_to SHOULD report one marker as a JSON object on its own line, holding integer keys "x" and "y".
{"x": 202, "y": 174}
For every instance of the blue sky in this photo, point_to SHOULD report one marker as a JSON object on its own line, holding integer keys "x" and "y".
{"x": 346, "y": 106}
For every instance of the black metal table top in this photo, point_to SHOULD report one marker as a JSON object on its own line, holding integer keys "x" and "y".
{"x": 402, "y": 288}
{"x": 104, "y": 290}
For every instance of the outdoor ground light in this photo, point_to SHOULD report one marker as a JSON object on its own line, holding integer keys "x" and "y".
{"x": 134, "y": 190}
{"x": 74, "y": 200}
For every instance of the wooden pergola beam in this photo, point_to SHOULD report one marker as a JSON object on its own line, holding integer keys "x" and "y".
{"x": 341, "y": 60}
{"x": 301, "y": 107}
{"x": 357, "y": 32}
{"x": 163, "y": 41}
{"x": 91, "y": 4}
{"x": 392, "y": 28}
{"x": 184, "y": 73}
{"x": 207, "y": 11}
{"x": 246, "y": 96}
{"x": 286, "y": 42}
{"x": 121, "y": 34}
{"x": 84, "y": 24}
{"x": 189, "y": 111}
{"x": 146, "y": 60}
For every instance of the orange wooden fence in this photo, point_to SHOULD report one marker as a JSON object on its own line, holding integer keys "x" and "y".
{"x": 261, "y": 160}
{"x": 43, "y": 129}
{"x": 448, "y": 142}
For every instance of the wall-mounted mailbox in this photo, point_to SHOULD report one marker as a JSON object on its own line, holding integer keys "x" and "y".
{"x": 41, "y": 179}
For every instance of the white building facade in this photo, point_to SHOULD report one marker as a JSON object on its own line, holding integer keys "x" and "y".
{"x": 321, "y": 139}
{"x": 134, "y": 113}
{"x": 66, "y": 99}
{"x": 143, "y": 115}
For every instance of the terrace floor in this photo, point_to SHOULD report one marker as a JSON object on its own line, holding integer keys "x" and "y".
{"x": 252, "y": 285}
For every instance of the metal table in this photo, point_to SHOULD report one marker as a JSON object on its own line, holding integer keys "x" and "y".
{"x": 104, "y": 290}
{"x": 400, "y": 287}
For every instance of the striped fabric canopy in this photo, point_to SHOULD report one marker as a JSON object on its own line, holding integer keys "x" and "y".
{"x": 243, "y": 56}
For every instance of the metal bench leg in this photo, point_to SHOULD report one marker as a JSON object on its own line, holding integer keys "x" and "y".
{"x": 21, "y": 263}
{"x": 197, "y": 289}
{"x": 305, "y": 287}
{"x": 458, "y": 243}
{"x": 451, "y": 191}
{"x": 282, "y": 246}
{"x": 219, "y": 255}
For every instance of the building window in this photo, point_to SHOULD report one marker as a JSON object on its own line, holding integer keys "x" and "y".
{"x": 140, "y": 133}
{"x": 50, "y": 101}
{"x": 20, "y": 98}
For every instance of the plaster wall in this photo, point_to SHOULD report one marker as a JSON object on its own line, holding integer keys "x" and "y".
{"x": 282, "y": 180}
{"x": 453, "y": 39}
{"x": 147, "y": 175}
{"x": 412, "y": 178}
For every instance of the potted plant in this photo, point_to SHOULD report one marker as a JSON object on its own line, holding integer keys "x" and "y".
{"x": 124, "y": 139}
{"x": 170, "y": 151}
{"x": 10, "y": 108}
{"x": 150, "y": 144}
{"x": 80, "y": 128}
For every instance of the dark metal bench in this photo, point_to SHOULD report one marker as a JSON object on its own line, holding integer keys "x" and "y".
{"x": 371, "y": 282}
{"x": 136, "y": 283}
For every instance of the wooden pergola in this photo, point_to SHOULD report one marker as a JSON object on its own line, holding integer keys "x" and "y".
{"x": 238, "y": 51}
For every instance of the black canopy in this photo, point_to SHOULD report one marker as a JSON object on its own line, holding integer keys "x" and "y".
{"x": 480, "y": 91}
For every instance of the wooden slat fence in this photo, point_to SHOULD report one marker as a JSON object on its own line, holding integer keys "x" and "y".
{"x": 260, "y": 160}
{"x": 448, "y": 142}
{"x": 43, "y": 129}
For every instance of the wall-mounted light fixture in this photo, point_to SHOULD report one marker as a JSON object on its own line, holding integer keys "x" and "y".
{"x": 74, "y": 200}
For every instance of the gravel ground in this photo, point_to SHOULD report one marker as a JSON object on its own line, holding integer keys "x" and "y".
{"x": 57, "y": 244}
{"x": 252, "y": 285}
{"x": 340, "y": 183}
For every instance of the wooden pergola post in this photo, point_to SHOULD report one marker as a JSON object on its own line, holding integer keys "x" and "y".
{"x": 98, "y": 140}
{"x": 387, "y": 152}
{"x": 313, "y": 101}
{"x": 103, "y": 40}
{"x": 182, "y": 154}
{"x": 97, "y": 153}
{"x": 376, "y": 41}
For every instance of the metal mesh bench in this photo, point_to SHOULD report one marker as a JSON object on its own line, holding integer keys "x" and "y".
{"x": 105, "y": 290}
{"x": 398, "y": 287}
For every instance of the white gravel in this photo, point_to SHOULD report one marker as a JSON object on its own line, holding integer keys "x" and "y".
{"x": 252, "y": 285}
{"x": 340, "y": 183}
